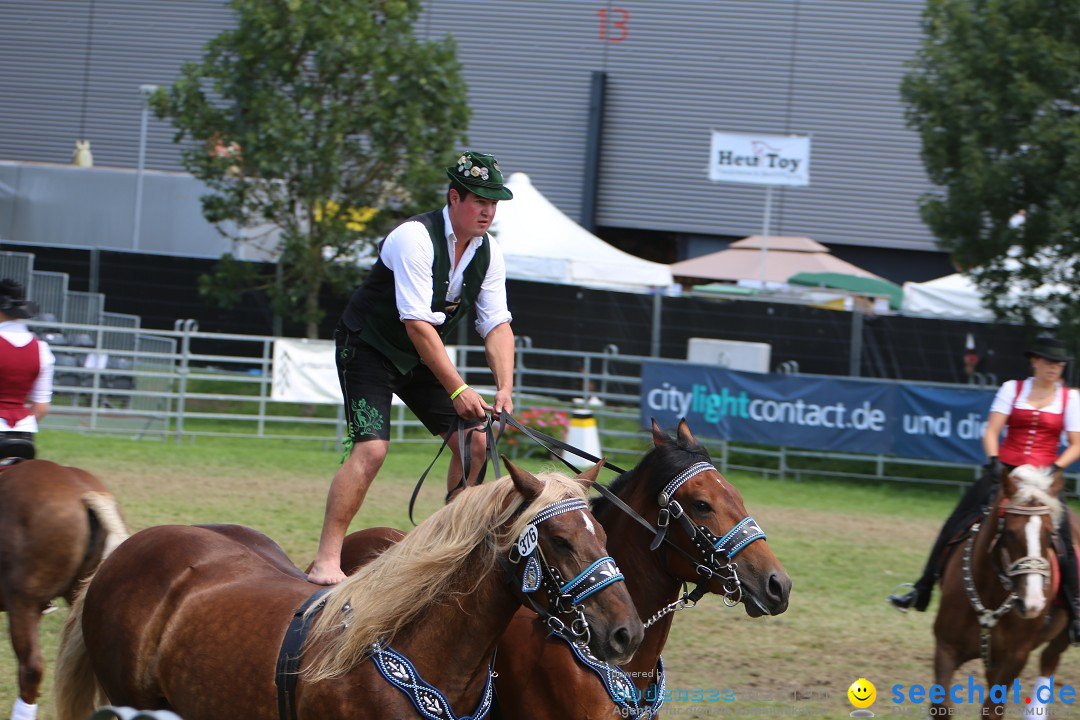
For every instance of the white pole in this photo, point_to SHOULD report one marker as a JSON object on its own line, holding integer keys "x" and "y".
{"x": 147, "y": 91}
{"x": 765, "y": 233}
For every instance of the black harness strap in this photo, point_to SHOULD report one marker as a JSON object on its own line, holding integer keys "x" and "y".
{"x": 288, "y": 662}
{"x": 548, "y": 442}
{"x": 464, "y": 434}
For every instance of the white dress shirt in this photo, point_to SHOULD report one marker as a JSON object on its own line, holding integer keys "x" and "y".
{"x": 408, "y": 253}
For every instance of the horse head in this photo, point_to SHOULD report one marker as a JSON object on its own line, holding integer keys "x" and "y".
{"x": 563, "y": 570}
{"x": 1021, "y": 549}
{"x": 718, "y": 544}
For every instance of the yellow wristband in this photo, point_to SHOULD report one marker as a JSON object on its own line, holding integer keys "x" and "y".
{"x": 463, "y": 388}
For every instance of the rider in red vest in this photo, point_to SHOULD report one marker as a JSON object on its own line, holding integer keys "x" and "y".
{"x": 1034, "y": 413}
{"x": 26, "y": 374}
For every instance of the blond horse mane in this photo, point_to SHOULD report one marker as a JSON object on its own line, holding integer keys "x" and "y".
{"x": 448, "y": 554}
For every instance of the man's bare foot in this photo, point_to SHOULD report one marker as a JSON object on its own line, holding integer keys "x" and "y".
{"x": 321, "y": 575}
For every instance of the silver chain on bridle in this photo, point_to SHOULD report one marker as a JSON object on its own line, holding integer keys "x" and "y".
{"x": 1026, "y": 565}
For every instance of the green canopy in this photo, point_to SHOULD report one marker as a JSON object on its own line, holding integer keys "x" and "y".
{"x": 852, "y": 283}
{"x": 725, "y": 289}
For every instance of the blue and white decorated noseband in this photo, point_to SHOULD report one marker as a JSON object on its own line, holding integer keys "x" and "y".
{"x": 562, "y": 597}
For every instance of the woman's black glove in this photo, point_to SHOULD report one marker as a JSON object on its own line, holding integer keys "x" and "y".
{"x": 992, "y": 466}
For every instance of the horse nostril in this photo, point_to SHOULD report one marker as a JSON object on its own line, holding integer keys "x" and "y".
{"x": 620, "y": 640}
{"x": 775, "y": 588}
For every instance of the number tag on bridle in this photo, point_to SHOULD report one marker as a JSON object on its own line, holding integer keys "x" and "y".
{"x": 527, "y": 541}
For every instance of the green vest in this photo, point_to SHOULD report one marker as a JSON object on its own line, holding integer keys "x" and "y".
{"x": 373, "y": 307}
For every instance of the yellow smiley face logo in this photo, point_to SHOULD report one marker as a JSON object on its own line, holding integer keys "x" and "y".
{"x": 862, "y": 693}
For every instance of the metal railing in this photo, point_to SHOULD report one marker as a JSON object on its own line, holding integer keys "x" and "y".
{"x": 183, "y": 384}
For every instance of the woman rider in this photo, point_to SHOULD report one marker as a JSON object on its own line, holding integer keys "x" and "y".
{"x": 1034, "y": 413}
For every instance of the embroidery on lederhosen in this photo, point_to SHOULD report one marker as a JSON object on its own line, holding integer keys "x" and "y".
{"x": 366, "y": 419}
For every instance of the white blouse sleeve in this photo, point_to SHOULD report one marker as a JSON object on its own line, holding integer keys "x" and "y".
{"x": 1003, "y": 401}
{"x": 1072, "y": 412}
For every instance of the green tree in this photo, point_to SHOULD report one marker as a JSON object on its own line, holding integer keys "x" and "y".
{"x": 994, "y": 93}
{"x": 316, "y": 124}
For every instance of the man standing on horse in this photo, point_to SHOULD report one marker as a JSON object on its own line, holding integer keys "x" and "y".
{"x": 26, "y": 374}
{"x": 432, "y": 271}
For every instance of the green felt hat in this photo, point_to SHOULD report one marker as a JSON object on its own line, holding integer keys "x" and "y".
{"x": 479, "y": 173}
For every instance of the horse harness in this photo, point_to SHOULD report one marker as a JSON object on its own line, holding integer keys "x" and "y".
{"x": 1026, "y": 565}
{"x": 710, "y": 565}
{"x": 621, "y": 688}
{"x": 564, "y": 598}
{"x": 717, "y": 560}
{"x": 400, "y": 672}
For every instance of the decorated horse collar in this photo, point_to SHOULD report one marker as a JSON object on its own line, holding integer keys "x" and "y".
{"x": 395, "y": 667}
{"x": 427, "y": 699}
{"x": 621, "y": 688}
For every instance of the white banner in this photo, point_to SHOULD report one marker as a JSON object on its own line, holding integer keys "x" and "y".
{"x": 760, "y": 159}
{"x": 304, "y": 371}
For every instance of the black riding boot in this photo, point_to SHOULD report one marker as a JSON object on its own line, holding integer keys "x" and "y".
{"x": 971, "y": 507}
{"x": 1070, "y": 577}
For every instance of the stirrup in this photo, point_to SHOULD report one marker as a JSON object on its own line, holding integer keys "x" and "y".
{"x": 1074, "y": 632}
{"x": 50, "y": 608}
{"x": 897, "y": 594}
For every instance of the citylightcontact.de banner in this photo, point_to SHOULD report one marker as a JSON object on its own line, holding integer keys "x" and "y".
{"x": 861, "y": 416}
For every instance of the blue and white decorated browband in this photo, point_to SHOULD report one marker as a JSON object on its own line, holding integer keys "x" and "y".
{"x": 594, "y": 578}
{"x": 745, "y": 531}
{"x": 679, "y": 480}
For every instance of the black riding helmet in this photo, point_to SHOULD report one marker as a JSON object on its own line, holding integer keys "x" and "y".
{"x": 13, "y": 300}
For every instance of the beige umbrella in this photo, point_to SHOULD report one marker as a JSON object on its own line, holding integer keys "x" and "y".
{"x": 781, "y": 255}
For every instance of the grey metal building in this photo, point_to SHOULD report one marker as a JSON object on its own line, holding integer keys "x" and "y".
{"x": 675, "y": 70}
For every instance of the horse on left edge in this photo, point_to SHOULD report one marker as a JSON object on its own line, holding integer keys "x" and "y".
{"x": 57, "y": 524}
{"x": 209, "y": 621}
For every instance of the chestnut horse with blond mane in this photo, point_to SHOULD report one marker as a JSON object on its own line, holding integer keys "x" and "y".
{"x": 196, "y": 619}
{"x": 56, "y": 525}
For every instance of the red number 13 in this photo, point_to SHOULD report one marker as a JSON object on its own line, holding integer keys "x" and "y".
{"x": 618, "y": 20}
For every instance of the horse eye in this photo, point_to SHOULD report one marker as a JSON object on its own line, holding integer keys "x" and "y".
{"x": 562, "y": 543}
{"x": 702, "y": 507}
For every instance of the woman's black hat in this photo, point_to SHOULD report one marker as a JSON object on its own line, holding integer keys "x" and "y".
{"x": 1049, "y": 347}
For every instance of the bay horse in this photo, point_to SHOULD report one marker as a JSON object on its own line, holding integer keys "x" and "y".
{"x": 542, "y": 676}
{"x": 56, "y": 524}
{"x": 204, "y": 620}
{"x": 998, "y": 587}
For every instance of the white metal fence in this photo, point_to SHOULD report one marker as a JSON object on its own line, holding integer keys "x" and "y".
{"x": 182, "y": 384}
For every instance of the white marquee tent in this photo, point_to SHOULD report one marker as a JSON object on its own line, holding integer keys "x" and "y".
{"x": 542, "y": 244}
{"x": 956, "y": 296}
{"x": 952, "y": 296}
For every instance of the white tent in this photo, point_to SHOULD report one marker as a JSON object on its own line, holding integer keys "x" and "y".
{"x": 956, "y": 296}
{"x": 952, "y": 296}
{"x": 542, "y": 244}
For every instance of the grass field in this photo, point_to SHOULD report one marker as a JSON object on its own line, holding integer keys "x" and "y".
{"x": 845, "y": 546}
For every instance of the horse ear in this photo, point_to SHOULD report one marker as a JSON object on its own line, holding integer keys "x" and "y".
{"x": 526, "y": 483}
{"x": 659, "y": 437}
{"x": 684, "y": 433}
{"x": 588, "y": 478}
